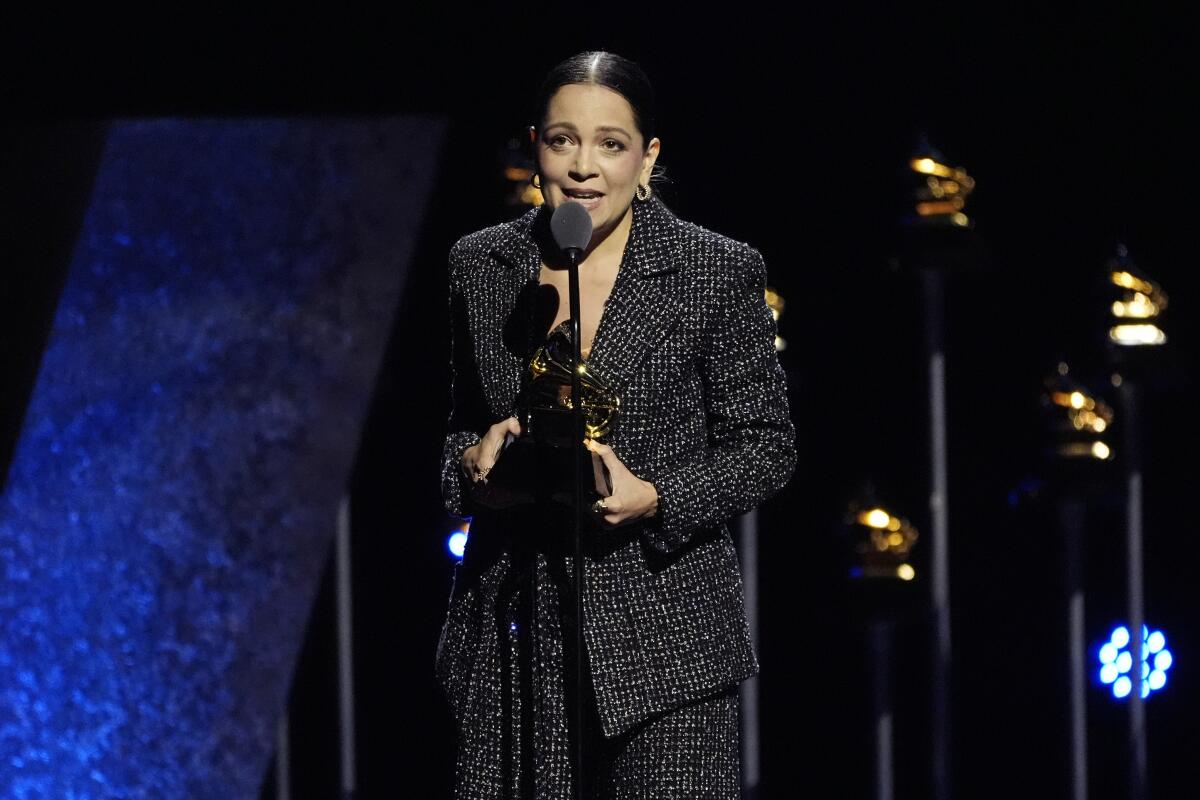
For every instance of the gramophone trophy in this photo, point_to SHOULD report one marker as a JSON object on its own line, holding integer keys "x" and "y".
{"x": 538, "y": 464}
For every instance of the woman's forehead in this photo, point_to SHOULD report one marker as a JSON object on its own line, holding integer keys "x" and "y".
{"x": 591, "y": 104}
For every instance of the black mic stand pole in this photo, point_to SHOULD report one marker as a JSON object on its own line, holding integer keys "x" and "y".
{"x": 573, "y": 255}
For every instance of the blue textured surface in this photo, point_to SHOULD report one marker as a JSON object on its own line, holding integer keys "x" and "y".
{"x": 173, "y": 494}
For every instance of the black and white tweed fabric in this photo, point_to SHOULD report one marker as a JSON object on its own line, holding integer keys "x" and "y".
{"x": 687, "y": 341}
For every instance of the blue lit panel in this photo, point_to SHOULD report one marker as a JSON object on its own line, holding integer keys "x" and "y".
{"x": 173, "y": 494}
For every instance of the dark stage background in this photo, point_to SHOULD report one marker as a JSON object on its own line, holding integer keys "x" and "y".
{"x": 790, "y": 131}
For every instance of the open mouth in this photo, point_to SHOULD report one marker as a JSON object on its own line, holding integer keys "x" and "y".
{"x": 586, "y": 197}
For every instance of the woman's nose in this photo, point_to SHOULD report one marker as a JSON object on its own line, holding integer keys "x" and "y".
{"x": 583, "y": 164}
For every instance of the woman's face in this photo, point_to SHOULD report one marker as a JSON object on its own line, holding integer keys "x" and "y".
{"x": 590, "y": 151}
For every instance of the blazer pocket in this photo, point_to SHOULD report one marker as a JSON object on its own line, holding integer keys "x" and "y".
{"x": 692, "y": 623}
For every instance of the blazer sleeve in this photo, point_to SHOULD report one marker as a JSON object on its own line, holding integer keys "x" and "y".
{"x": 751, "y": 448}
{"x": 468, "y": 409}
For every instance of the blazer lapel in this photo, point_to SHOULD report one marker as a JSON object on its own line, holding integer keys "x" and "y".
{"x": 516, "y": 249}
{"x": 500, "y": 335}
{"x": 645, "y": 302}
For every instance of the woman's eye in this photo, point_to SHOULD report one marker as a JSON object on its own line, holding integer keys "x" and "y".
{"x": 559, "y": 140}
{"x": 612, "y": 144}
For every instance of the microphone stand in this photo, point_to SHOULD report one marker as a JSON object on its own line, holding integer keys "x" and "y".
{"x": 577, "y": 419}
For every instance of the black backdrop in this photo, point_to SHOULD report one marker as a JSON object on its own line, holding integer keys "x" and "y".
{"x": 790, "y": 131}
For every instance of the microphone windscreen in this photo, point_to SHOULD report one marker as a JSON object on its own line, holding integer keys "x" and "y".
{"x": 571, "y": 226}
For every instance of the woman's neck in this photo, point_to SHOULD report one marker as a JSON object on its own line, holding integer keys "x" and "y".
{"x": 612, "y": 244}
{"x": 604, "y": 248}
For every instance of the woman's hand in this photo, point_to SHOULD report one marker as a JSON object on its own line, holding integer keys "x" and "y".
{"x": 632, "y": 498}
{"x": 479, "y": 459}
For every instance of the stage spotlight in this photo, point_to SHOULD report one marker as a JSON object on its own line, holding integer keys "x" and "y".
{"x": 1138, "y": 306}
{"x": 1116, "y": 663}
{"x": 456, "y": 542}
{"x": 1077, "y": 417}
{"x": 1120, "y": 636}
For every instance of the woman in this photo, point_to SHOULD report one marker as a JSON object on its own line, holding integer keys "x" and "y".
{"x": 673, "y": 317}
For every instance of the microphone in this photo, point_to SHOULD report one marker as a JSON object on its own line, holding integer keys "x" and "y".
{"x": 572, "y": 228}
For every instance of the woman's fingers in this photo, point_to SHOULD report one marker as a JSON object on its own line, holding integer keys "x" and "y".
{"x": 473, "y": 463}
{"x": 479, "y": 459}
{"x": 611, "y": 509}
{"x": 468, "y": 462}
{"x": 608, "y": 505}
{"x": 504, "y": 429}
{"x": 632, "y": 498}
{"x": 495, "y": 438}
{"x": 476, "y": 472}
{"x": 606, "y": 455}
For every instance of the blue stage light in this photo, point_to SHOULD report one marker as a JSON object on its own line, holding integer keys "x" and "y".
{"x": 1116, "y": 662}
{"x": 457, "y": 543}
{"x": 1120, "y": 636}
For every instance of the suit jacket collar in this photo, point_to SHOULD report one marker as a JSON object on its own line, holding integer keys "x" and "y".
{"x": 651, "y": 249}
{"x": 646, "y": 298}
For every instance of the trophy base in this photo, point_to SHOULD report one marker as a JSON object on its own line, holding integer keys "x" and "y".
{"x": 549, "y": 427}
{"x": 530, "y": 471}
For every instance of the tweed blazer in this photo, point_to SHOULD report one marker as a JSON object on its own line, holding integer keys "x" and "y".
{"x": 688, "y": 342}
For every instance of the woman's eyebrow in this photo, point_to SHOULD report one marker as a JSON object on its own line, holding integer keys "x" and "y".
{"x": 599, "y": 128}
{"x": 612, "y": 129}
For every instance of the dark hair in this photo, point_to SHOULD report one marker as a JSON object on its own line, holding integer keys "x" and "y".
{"x": 603, "y": 69}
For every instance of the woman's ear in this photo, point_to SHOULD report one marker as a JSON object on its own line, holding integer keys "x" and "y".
{"x": 649, "y": 158}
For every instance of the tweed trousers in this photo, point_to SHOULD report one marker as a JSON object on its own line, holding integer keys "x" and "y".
{"x": 518, "y": 744}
